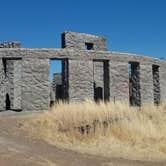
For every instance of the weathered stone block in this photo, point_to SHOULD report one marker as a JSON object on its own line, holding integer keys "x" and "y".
{"x": 146, "y": 83}
{"x": 119, "y": 81}
{"x": 17, "y": 83}
{"x": 80, "y": 80}
{"x": 162, "y": 77}
{"x": 35, "y": 84}
{"x": 83, "y": 41}
{"x": 2, "y": 86}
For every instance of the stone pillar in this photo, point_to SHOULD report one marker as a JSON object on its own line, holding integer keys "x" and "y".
{"x": 146, "y": 83}
{"x": 2, "y": 86}
{"x": 162, "y": 78}
{"x": 119, "y": 81}
{"x": 65, "y": 80}
{"x": 17, "y": 82}
{"x": 35, "y": 84}
{"x": 80, "y": 80}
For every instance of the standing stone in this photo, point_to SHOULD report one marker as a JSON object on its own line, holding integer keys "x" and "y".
{"x": 162, "y": 77}
{"x": 80, "y": 80}
{"x": 2, "y": 86}
{"x": 119, "y": 81}
{"x": 146, "y": 83}
{"x": 35, "y": 84}
{"x": 17, "y": 82}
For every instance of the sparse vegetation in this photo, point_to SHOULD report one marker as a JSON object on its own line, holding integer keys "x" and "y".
{"x": 107, "y": 129}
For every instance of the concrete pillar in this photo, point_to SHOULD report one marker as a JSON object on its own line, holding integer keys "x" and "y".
{"x": 119, "y": 81}
{"x": 2, "y": 86}
{"x": 162, "y": 74}
{"x": 17, "y": 83}
{"x": 146, "y": 83}
{"x": 35, "y": 84}
{"x": 80, "y": 80}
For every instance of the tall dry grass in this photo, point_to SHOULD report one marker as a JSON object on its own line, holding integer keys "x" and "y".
{"x": 107, "y": 129}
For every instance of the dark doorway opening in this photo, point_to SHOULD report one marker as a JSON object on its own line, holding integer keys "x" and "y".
{"x": 98, "y": 94}
{"x": 59, "y": 92}
{"x": 8, "y": 102}
{"x": 156, "y": 84}
{"x": 134, "y": 84}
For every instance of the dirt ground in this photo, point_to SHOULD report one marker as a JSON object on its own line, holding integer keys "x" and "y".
{"x": 18, "y": 149}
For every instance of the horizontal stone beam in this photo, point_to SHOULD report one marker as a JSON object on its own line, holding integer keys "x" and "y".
{"x": 73, "y": 54}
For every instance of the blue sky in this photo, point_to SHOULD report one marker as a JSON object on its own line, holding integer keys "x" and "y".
{"x": 135, "y": 26}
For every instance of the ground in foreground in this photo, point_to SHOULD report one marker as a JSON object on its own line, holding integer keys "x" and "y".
{"x": 18, "y": 149}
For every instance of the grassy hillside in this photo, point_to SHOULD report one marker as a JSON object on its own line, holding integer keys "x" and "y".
{"x": 115, "y": 130}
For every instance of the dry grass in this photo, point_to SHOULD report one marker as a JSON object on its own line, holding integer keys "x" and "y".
{"x": 111, "y": 130}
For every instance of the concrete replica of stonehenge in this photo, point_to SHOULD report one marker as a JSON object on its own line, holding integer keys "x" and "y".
{"x": 89, "y": 71}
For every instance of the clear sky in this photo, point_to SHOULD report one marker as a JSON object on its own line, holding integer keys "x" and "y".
{"x": 135, "y": 26}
